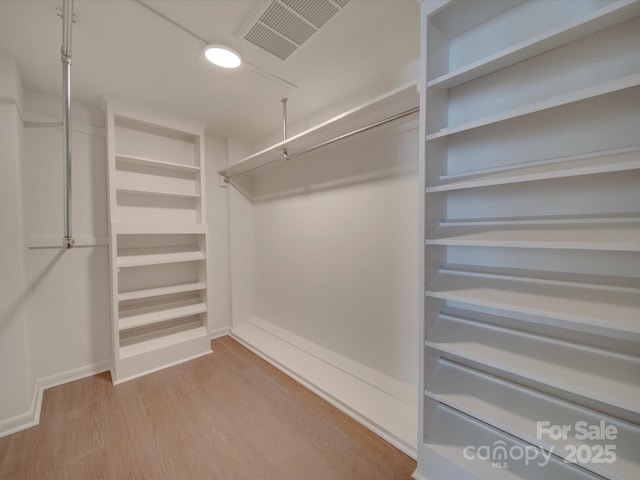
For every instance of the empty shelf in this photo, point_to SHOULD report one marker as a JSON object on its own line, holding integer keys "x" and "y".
{"x": 159, "y": 311}
{"x": 614, "y": 233}
{"x": 158, "y": 164}
{"x": 135, "y": 257}
{"x": 598, "y": 20}
{"x": 604, "y": 88}
{"x": 142, "y": 191}
{"x": 456, "y": 437}
{"x": 517, "y": 410}
{"x": 588, "y": 164}
{"x": 160, "y": 338}
{"x": 149, "y": 228}
{"x": 611, "y": 378}
{"x": 604, "y": 309}
{"x": 156, "y": 292}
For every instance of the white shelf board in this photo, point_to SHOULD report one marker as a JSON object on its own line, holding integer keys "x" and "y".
{"x": 603, "y": 309}
{"x": 136, "y": 257}
{"x": 142, "y": 191}
{"x": 149, "y": 162}
{"x": 594, "y": 234}
{"x": 516, "y": 410}
{"x": 162, "y": 338}
{"x": 156, "y": 292}
{"x": 118, "y": 228}
{"x": 161, "y": 311}
{"x": 611, "y": 378}
{"x": 604, "y": 88}
{"x": 396, "y": 101}
{"x": 618, "y": 160}
{"x": 601, "y": 19}
{"x": 450, "y": 432}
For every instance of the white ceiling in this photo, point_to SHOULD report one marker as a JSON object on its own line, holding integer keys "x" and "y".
{"x": 123, "y": 50}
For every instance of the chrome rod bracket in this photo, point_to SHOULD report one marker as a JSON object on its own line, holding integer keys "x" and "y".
{"x": 60, "y": 14}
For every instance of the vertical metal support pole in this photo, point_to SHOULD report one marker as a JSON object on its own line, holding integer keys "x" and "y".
{"x": 284, "y": 118}
{"x": 67, "y": 22}
{"x": 66, "y": 126}
{"x": 285, "y": 154}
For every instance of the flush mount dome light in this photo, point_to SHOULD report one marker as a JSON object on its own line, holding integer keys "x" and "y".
{"x": 222, "y": 56}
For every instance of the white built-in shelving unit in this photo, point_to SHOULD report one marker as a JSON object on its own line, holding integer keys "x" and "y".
{"x": 158, "y": 239}
{"x": 530, "y": 123}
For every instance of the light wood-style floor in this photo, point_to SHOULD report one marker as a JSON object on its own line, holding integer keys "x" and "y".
{"x": 228, "y": 415}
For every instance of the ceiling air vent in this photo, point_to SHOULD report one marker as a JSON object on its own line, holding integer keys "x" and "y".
{"x": 281, "y": 27}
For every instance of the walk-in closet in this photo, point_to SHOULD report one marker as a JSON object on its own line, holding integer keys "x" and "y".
{"x": 311, "y": 239}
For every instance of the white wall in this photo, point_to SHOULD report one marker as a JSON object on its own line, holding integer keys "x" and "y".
{"x": 336, "y": 256}
{"x": 218, "y": 275}
{"x": 377, "y": 87}
{"x": 69, "y": 305}
{"x": 242, "y": 239}
{"x": 16, "y": 375}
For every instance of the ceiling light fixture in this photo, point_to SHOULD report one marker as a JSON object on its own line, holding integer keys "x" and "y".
{"x": 222, "y": 56}
{"x": 256, "y": 68}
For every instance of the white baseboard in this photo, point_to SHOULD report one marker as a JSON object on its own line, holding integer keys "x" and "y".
{"x": 31, "y": 418}
{"x": 219, "y": 332}
{"x": 74, "y": 374}
{"x": 418, "y": 476}
{"x": 381, "y": 403}
{"x": 24, "y": 420}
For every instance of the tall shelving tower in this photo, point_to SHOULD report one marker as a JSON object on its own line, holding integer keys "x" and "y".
{"x": 158, "y": 239}
{"x": 530, "y": 118}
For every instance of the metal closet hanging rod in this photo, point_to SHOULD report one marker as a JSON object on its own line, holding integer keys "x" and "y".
{"x": 290, "y": 156}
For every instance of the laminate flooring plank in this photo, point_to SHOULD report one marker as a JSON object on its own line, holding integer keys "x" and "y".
{"x": 225, "y": 416}
{"x": 298, "y": 422}
{"x": 14, "y": 456}
{"x": 357, "y": 441}
{"x": 94, "y": 466}
{"x": 131, "y": 440}
{"x": 261, "y": 428}
{"x": 220, "y": 423}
